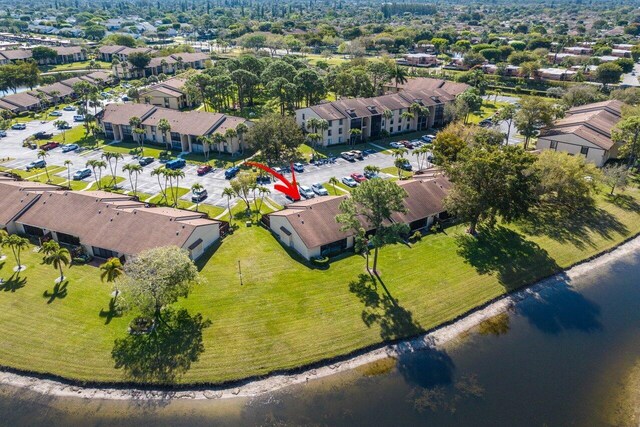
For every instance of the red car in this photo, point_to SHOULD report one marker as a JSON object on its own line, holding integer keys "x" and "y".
{"x": 49, "y": 146}
{"x": 204, "y": 169}
{"x": 358, "y": 177}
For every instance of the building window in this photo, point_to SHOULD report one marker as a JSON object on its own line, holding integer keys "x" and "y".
{"x": 584, "y": 151}
{"x": 329, "y": 132}
{"x": 339, "y": 131}
{"x": 399, "y": 128}
{"x": 330, "y": 123}
{"x": 329, "y": 142}
{"x": 340, "y": 122}
{"x": 104, "y": 253}
{"x": 408, "y": 126}
{"x": 553, "y": 145}
{"x": 33, "y": 231}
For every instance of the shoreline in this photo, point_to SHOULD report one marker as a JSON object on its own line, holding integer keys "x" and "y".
{"x": 439, "y": 336}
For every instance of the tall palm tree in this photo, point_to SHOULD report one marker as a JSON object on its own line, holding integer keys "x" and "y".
{"x": 135, "y": 123}
{"x": 62, "y": 124}
{"x": 133, "y": 169}
{"x": 43, "y": 155}
{"x": 112, "y": 159}
{"x": 100, "y": 165}
{"x": 56, "y": 256}
{"x": 262, "y": 191}
{"x": 399, "y": 152}
{"x": 17, "y": 244}
{"x": 206, "y": 142}
{"x": 407, "y": 115}
{"x": 165, "y": 127}
{"x": 160, "y": 172}
{"x": 218, "y": 140}
{"x": 354, "y": 134}
{"x": 323, "y": 125}
{"x": 399, "y": 75}
{"x": 241, "y": 130}
{"x": 229, "y": 193}
{"x": 194, "y": 189}
{"x": 230, "y": 134}
{"x": 110, "y": 271}
{"x": 387, "y": 114}
{"x": 419, "y": 111}
{"x": 334, "y": 181}
{"x": 68, "y": 164}
{"x": 177, "y": 174}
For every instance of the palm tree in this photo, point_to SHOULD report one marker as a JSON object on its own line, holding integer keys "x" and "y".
{"x": 399, "y": 75}
{"x": 407, "y": 115}
{"x": 135, "y": 123}
{"x": 42, "y": 155}
{"x": 229, "y": 193}
{"x": 194, "y": 189}
{"x": 56, "y": 256}
{"x": 421, "y": 155}
{"x": 354, "y": 134}
{"x": 62, "y": 124}
{"x": 387, "y": 114}
{"x": 133, "y": 169}
{"x": 219, "y": 139}
{"x": 262, "y": 191}
{"x": 399, "y": 152}
{"x": 109, "y": 156}
{"x": 110, "y": 271}
{"x": 419, "y": 111}
{"x": 100, "y": 164}
{"x": 334, "y": 181}
{"x": 17, "y": 244}
{"x": 164, "y": 126}
{"x": 206, "y": 142}
{"x": 68, "y": 164}
{"x": 93, "y": 165}
{"x": 230, "y": 134}
{"x": 399, "y": 163}
{"x": 323, "y": 125}
{"x": 241, "y": 130}
{"x": 177, "y": 174}
{"x": 160, "y": 172}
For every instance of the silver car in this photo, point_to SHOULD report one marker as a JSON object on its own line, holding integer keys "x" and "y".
{"x": 306, "y": 192}
{"x": 319, "y": 190}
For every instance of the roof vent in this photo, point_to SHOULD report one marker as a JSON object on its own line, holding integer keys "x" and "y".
{"x": 99, "y": 211}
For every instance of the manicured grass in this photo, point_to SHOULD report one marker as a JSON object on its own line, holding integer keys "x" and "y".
{"x": 487, "y": 110}
{"x": 105, "y": 182}
{"x": 78, "y": 135}
{"x": 180, "y": 191}
{"x": 393, "y": 171}
{"x": 84, "y": 65}
{"x": 287, "y": 313}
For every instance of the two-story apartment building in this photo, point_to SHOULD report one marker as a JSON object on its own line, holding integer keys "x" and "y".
{"x": 376, "y": 116}
{"x": 163, "y": 65}
{"x": 187, "y": 128}
{"x": 168, "y": 94}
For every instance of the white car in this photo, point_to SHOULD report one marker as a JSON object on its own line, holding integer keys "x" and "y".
{"x": 349, "y": 182}
{"x": 306, "y": 192}
{"x": 396, "y": 144}
{"x": 78, "y": 118}
{"x": 319, "y": 190}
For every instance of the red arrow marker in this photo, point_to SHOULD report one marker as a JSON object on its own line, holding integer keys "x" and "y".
{"x": 289, "y": 188}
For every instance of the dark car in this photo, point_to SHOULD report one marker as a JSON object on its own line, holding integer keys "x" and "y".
{"x": 42, "y": 135}
{"x": 406, "y": 166}
{"x": 199, "y": 195}
{"x": 49, "y": 145}
{"x": 144, "y": 161}
{"x": 82, "y": 174}
{"x": 176, "y": 164}
{"x": 231, "y": 172}
{"x": 204, "y": 169}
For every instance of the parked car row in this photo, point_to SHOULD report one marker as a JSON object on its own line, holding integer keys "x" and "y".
{"x": 316, "y": 189}
{"x": 352, "y": 155}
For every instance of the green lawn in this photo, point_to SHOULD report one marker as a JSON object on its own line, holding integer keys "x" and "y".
{"x": 487, "y": 110}
{"x": 78, "y": 135}
{"x": 287, "y": 313}
{"x": 100, "y": 65}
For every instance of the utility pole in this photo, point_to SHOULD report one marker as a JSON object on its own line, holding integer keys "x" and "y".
{"x": 240, "y": 272}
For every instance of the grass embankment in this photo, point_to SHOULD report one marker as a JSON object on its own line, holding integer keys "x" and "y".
{"x": 286, "y": 313}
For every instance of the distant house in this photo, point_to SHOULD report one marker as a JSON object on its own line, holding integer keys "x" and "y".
{"x": 309, "y": 226}
{"x": 114, "y": 225}
{"x": 163, "y": 65}
{"x": 585, "y": 131}
{"x": 107, "y": 53}
{"x": 555, "y": 74}
{"x": 420, "y": 59}
{"x": 168, "y": 94}
{"x": 186, "y": 127}
{"x": 368, "y": 114}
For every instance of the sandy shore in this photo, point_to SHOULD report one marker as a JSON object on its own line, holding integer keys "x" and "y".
{"x": 437, "y": 337}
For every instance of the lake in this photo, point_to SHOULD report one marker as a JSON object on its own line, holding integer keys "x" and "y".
{"x": 569, "y": 356}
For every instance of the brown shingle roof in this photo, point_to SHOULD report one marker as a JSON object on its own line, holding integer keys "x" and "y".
{"x": 314, "y": 220}
{"x": 15, "y": 197}
{"x": 16, "y": 54}
{"x": 110, "y": 49}
{"x": 188, "y": 122}
{"x": 113, "y": 222}
{"x": 22, "y": 99}
{"x": 119, "y": 114}
{"x": 425, "y": 198}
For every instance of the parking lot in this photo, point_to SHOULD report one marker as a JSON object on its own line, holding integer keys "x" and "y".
{"x": 214, "y": 182}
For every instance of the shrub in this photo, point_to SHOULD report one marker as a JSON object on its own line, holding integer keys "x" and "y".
{"x": 415, "y": 237}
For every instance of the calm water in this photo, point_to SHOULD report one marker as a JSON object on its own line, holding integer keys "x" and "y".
{"x": 571, "y": 357}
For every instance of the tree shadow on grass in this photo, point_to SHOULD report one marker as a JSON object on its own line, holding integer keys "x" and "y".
{"x": 624, "y": 201}
{"x": 558, "y": 308}
{"x": 110, "y": 314}
{"x": 59, "y": 292}
{"x": 395, "y": 321}
{"x": 576, "y": 226}
{"x": 14, "y": 283}
{"x": 164, "y": 354}
{"x": 505, "y": 253}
